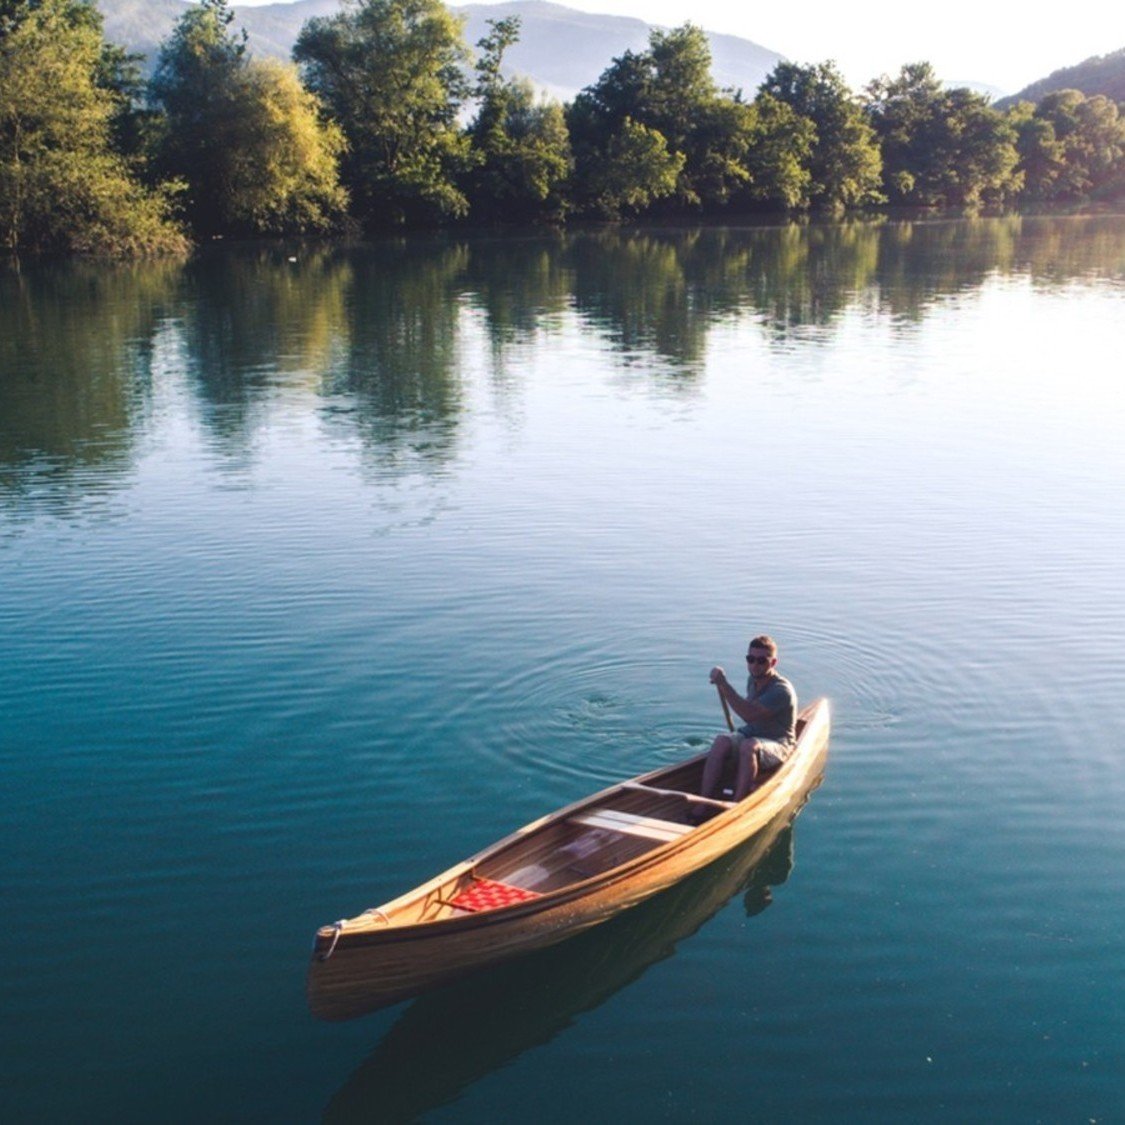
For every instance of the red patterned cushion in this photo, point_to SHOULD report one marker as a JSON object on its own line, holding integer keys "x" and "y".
{"x": 485, "y": 894}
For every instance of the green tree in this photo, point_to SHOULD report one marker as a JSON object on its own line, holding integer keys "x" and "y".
{"x": 1041, "y": 154}
{"x": 62, "y": 186}
{"x": 285, "y": 166}
{"x": 904, "y": 111}
{"x": 521, "y": 148}
{"x": 713, "y": 129}
{"x": 1070, "y": 146}
{"x": 119, "y": 73}
{"x": 844, "y": 165}
{"x": 940, "y": 147}
{"x": 779, "y": 155}
{"x": 635, "y": 168}
{"x": 597, "y": 120}
{"x": 980, "y": 151}
{"x": 677, "y": 86}
{"x": 243, "y": 135}
{"x": 390, "y": 73}
{"x": 196, "y": 69}
{"x": 501, "y": 35}
{"x": 669, "y": 91}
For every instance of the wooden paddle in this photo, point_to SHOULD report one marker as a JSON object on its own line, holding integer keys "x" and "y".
{"x": 726, "y": 709}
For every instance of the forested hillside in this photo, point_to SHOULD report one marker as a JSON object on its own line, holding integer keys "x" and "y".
{"x": 1103, "y": 74}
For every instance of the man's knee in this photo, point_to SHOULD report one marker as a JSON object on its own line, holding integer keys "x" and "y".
{"x": 723, "y": 744}
{"x": 748, "y": 750}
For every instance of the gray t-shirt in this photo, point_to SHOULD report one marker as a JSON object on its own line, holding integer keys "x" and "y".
{"x": 779, "y": 697}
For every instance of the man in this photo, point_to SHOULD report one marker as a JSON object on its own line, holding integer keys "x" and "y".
{"x": 769, "y": 731}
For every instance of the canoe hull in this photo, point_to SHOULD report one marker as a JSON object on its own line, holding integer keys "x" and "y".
{"x": 382, "y": 964}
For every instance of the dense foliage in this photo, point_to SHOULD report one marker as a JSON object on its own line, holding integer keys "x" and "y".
{"x": 387, "y": 121}
{"x": 844, "y": 163}
{"x": 245, "y": 136}
{"x": 940, "y": 147}
{"x": 64, "y": 186}
{"x": 521, "y": 158}
{"x": 390, "y": 72}
{"x": 655, "y": 133}
{"x": 1071, "y": 147}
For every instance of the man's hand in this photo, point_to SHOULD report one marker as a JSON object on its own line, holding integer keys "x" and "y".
{"x": 718, "y": 676}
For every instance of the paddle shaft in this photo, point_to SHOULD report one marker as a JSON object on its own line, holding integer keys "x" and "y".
{"x": 726, "y": 708}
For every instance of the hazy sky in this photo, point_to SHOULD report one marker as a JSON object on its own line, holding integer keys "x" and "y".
{"x": 967, "y": 40}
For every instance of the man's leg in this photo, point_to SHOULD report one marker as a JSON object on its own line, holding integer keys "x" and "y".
{"x": 713, "y": 767}
{"x": 747, "y": 768}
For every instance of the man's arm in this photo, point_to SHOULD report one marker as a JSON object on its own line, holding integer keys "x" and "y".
{"x": 742, "y": 707}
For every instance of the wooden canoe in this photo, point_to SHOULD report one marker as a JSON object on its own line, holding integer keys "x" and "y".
{"x": 550, "y": 880}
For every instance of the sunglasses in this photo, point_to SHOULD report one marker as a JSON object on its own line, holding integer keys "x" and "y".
{"x": 757, "y": 659}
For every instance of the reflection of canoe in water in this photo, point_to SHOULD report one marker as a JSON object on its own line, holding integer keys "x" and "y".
{"x": 482, "y": 1023}
{"x": 550, "y": 880}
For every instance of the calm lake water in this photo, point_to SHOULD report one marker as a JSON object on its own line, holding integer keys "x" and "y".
{"x": 322, "y": 568}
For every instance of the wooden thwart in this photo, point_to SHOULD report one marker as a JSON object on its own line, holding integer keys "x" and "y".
{"x": 692, "y": 798}
{"x": 632, "y": 825}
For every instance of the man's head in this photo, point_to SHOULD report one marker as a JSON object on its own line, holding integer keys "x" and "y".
{"x": 761, "y": 655}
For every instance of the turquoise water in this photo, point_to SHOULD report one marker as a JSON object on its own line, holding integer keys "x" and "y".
{"x": 321, "y": 569}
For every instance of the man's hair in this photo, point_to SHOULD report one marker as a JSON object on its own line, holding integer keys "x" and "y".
{"x": 768, "y": 643}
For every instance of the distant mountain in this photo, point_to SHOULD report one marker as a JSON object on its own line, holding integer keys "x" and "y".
{"x": 564, "y": 50}
{"x": 1102, "y": 74}
{"x": 989, "y": 91}
{"x": 139, "y": 25}
{"x": 560, "y": 49}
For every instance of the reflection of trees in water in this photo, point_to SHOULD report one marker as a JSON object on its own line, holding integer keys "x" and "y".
{"x": 371, "y": 331}
{"x": 520, "y": 284}
{"x": 395, "y": 378}
{"x": 655, "y": 295}
{"x": 633, "y": 288}
{"x": 808, "y": 276}
{"x": 924, "y": 260}
{"x": 75, "y": 376}
{"x": 376, "y": 333}
{"x": 254, "y": 323}
{"x": 658, "y": 295}
{"x": 1058, "y": 250}
{"x": 447, "y": 1040}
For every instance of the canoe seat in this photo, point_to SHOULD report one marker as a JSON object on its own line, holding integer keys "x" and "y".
{"x": 632, "y": 825}
{"x": 487, "y": 894}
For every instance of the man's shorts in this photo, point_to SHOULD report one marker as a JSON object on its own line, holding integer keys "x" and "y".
{"x": 770, "y": 754}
